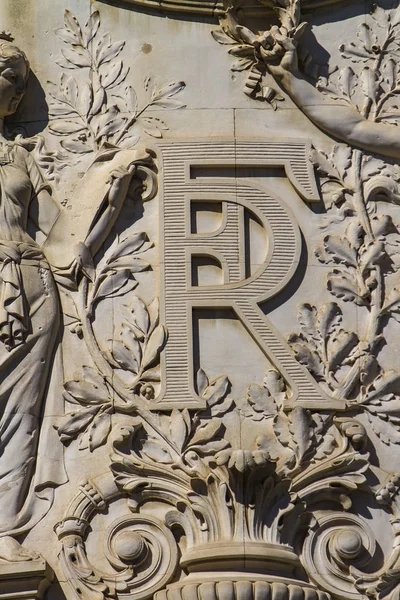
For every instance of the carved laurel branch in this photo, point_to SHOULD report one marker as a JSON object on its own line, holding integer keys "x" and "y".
{"x": 127, "y": 372}
{"x": 364, "y": 259}
{"x": 105, "y": 108}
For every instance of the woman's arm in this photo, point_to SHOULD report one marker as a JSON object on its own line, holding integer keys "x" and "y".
{"x": 120, "y": 180}
{"x": 340, "y": 121}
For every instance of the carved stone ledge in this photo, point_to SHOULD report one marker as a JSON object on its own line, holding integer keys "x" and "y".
{"x": 26, "y": 580}
{"x": 216, "y": 9}
{"x": 230, "y": 588}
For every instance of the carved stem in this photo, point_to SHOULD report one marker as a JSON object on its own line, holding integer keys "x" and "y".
{"x": 130, "y": 123}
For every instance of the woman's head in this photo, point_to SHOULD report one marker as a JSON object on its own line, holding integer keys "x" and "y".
{"x": 14, "y": 72}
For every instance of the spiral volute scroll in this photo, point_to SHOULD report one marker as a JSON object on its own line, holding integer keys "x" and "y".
{"x": 337, "y": 551}
{"x": 143, "y": 552}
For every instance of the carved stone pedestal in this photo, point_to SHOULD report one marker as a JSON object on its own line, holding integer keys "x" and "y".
{"x": 26, "y": 580}
{"x": 232, "y": 571}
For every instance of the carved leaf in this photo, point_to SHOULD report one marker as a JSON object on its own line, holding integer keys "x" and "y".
{"x": 112, "y": 74}
{"x": 300, "y": 430}
{"x": 107, "y": 52}
{"x": 370, "y": 84}
{"x": 91, "y": 26}
{"x": 386, "y": 383}
{"x": 129, "y": 245}
{"x": 99, "y": 431}
{"x": 210, "y": 448}
{"x": 66, "y": 127}
{"x": 114, "y": 126}
{"x": 157, "y": 451}
{"x": 308, "y": 358}
{"x": 76, "y": 146}
{"x": 178, "y": 429}
{"x": 328, "y": 320}
{"x": 246, "y": 35}
{"x": 202, "y": 382}
{"x": 221, "y": 37}
{"x": 342, "y": 159}
{"x": 392, "y": 304}
{"x": 170, "y": 103}
{"x": 71, "y": 23}
{"x": 135, "y": 265}
{"x": 130, "y": 340}
{"x": 342, "y": 286}
{"x": 124, "y": 357}
{"x": 77, "y": 57}
{"x": 218, "y": 410}
{"x": 323, "y": 165}
{"x": 206, "y": 433}
{"x": 71, "y": 90}
{"x": 154, "y": 346}
{"x": 61, "y": 110}
{"x": 86, "y": 392}
{"x": 154, "y": 313}
{"x": 168, "y": 91}
{"x": 355, "y": 53}
{"x": 131, "y": 100}
{"x": 340, "y": 346}
{"x": 348, "y": 80}
{"x": 217, "y": 390}
{"x": 385, "y": 431}
{"x": 261, "y": 400}
{"x": 99, "y": 98}
{"x": 140, "y": 314}
{"x": 382, "y": 225}
{"x": 68, "y": 36}
{"x": 307, "y": 317}
{"x": 341, "y": 250}
{"x": 355, "y": 233}
{"x": 115, "y": 284}
{"x": 242, "y": 50}
{"x": 242, "y": 64}
{"x": 73, "y": 423}
{"x": 372, "y": 255}
{"x": 93, "y": 376}
{"x": 151, "y": 126}
{"x": 86, "y": 99}
{"x": 389, "y": 71}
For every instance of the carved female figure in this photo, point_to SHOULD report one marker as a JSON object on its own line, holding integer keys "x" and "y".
{"x": 30, "y": 464}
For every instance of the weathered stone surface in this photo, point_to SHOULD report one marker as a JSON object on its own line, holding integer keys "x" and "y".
{"x": 199, "y": 300}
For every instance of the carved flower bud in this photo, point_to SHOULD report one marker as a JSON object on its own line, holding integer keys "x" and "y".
{"x": 147, "y": 391}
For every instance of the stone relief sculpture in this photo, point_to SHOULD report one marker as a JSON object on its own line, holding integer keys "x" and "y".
{"x": 363, "y": 259}
{"x": 31, "y": 461}
{"x": 358, "y": 185}
{"x": 205, "y": 493}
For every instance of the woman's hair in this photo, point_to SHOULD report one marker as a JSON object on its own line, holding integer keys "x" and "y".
{"x": 9, "y": 52}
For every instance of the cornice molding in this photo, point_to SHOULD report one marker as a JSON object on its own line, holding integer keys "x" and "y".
{"x": 208, "y": 7}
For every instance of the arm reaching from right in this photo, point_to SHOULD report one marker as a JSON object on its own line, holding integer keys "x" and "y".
{"x": 340, "y": 121}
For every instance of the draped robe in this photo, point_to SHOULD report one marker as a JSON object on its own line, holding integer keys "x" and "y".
{"x": 31, "y": 455}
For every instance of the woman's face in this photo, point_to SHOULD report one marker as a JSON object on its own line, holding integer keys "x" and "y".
{"x": 13, "y": 78}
